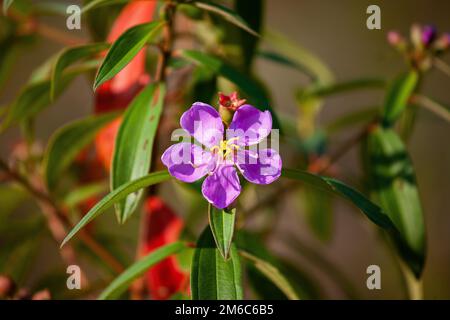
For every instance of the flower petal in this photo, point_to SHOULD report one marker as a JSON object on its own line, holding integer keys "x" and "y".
{"x": 203, "y": 122}
{"x": 186, "y": 162}
{"x": 250, "y": 125}
{"x": 263, "y": 167}
{"x": 222, "y": 187}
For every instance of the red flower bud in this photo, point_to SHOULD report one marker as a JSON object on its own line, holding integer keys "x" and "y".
{"x": 231, "y": 102}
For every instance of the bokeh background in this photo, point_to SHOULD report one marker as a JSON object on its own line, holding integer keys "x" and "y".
{"x": 335, "y": 31}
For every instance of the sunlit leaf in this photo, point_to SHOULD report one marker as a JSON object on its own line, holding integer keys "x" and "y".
{"x": 35, "y": 96}
{"x": 134, "y": 144}
{"x": 69, "y": 56}
{"x": 226, "y": 13}
{"x": 393, "y": 185}
{"x": 67, "y": 142}
{"x": 398, "y": 96}
{"x": 123, "y": 281}
{"x": 316, "y": 69}
{"x": 115, "y": 196}
{"x": 101, "y": 3}
{"x": 6, "y": 5}
{"x": 321, "y": 90}
{"x": 371, "y": 210}
{"x": 221, "y": 223}
{"x": 83, "y": 193}
{"x": 273, "y": 274}
{"x": 125, "y": 48}
{"x": 303, "y": 283}
{"x": 213, "y": 278}
{"x": 439, "y": 109}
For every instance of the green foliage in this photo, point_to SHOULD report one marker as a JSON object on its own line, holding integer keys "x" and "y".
{"x": 134, "y": 144}
{"x": 125, "y": 49}
{"x": 115, "y": 196}
{"x": 393, "y": 186}
{"x": 123, "y": 281}
{"x": 69, "y": 56}
{"x": 221, "y": 223}
{"x": 68, "y": 142}
{"x": 225, "y": 13}
{"x": 213, "y": 278}
{"x": 371, "y": 210}
{"x": 398, "y": 96}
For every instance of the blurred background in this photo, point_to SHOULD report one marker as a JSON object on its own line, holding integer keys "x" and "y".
{"x": 336, "y": 31}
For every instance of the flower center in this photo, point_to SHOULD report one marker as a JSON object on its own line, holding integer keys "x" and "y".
{"x": 225, "y": 147}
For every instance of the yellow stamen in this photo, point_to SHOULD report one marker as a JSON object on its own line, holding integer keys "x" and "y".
{"x": 225, "y": 147}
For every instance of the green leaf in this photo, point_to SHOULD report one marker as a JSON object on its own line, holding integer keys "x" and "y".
{"x": 115, "y": 196}
{"x": 125, "y": 48}
{"x": 247, "y": 85}
{"x": 84, "y": 193}
{"x": 273, "y": 274}
{"x": 6, "y": 5}
{"x": 221, "y": 223}
{"x": 352, "y": 119}
{"x": 321, "y": 90}
{"x": 304, "y": 283}
{"x": 432, "y": 105}
{"x": 67, "y": 142}
{"x": 123, "y": 281}
{"x": 69, "y": 56}
{"x": 282, "y": 59}
{"x": 398, "y": 96}
{"x": 213, "y": 278}
{"x": 227, "y": 14}
{"x": 371, "y": 210}
{"x": 134, "y": 144}
{"x": 316, "y": 69}
{"x": 101, "y": 3}
{"x": 393, "y": 185}
{"x": 35, "y": 96}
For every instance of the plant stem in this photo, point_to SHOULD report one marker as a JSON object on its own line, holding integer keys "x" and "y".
{"x": 441, "y": 65}
{"x": 58, "y": 222}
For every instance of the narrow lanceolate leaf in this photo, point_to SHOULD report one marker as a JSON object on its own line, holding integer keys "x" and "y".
{"x": 313, "y": 65}
{"x": 123, "y": 281}
{"x": 252, "y": 89}
{"x": 393, "y": 186}
{"x": 321, "y": 90}
{"x": 115, "y": 196}
{"x": 221, "y": 223}
{"x": 35, "y": 96}
{"x": 432, "y": 105}
{"x": 371, "y": 210}
{"x": 226, "y": 13}
{"x": 398, "y": 95}
{"x": 69, "y": 56}
{"x": 6, "y": 5}
{"x": 273, "y": 274}
{"x": 67, "y": 142}
{"x": 125, "y": 49}
{"x": 134, "y": 144}
{"x": 101, "y": 3}
{"x": 213, "y": 278}
{"x": 84, "y": 193}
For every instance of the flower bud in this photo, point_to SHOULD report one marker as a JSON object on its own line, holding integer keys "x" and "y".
{"x": 396, "y": 40}
{"x": 228, "y": 105}
{"x": 428, "y": 35}
{"x": 416, "y": 36}
{"x": 7, "y": 287}
{"x": 442, "y": 43}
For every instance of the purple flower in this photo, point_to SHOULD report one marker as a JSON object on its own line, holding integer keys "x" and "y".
{"x": 223, "y": 152}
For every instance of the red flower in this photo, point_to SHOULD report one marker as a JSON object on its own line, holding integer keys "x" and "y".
{"x": 162, "y": 226}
